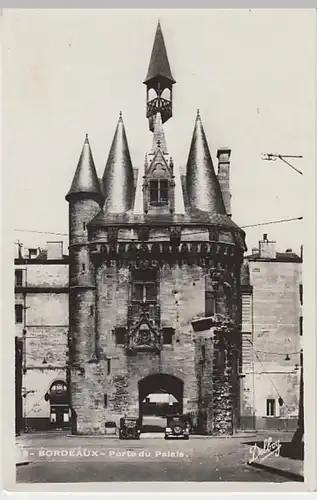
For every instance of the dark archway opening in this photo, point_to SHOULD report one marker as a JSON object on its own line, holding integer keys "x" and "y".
{"x": 159, "y": 395}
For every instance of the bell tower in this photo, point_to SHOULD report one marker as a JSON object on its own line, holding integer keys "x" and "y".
{"x": 159, "y": 82}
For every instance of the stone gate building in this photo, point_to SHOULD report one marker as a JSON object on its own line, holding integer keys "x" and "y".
{"x": 154, "y": 277}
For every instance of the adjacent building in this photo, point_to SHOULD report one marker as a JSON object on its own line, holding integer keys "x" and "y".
{"x": 272, "y": 327}
{"x": 41, "y": 328}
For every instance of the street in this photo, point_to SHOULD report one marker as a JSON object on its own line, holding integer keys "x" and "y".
{"x": 58, "y": 457}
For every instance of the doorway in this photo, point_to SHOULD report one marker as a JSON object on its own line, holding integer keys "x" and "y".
{"x": 159, "y": 395}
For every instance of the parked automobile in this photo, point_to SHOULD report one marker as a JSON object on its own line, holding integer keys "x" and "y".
{"x": 130, "y": 428}
{"x": 177, "y": 427}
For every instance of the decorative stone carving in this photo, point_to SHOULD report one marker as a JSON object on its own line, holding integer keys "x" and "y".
{"x": 144, "y": 336}
{"x": 175, "y": 235}
{"x": 112, "y": 235}
{"x": 143, "y": 233}
{"x": 213, "y": 234}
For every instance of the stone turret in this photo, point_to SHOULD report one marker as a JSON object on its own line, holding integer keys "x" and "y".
{"x": 85, "y": 201}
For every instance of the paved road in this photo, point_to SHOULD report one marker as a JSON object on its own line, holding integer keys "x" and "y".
{"x": 62, "y": 458}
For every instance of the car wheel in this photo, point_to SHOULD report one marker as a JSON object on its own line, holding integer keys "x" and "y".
{"x": 186, "y": 437}
{"x": 165, "y": 437}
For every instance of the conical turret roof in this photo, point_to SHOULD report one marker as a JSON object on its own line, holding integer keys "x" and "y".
{"x": 85, "y": 180}
{"x": 118, "y": 179}
{"x": 159, "y": 64}
{"x": 203, "y": 188}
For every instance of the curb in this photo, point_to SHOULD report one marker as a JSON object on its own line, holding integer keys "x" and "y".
{"x": 289, "y": 475}
{"x": 159, "y": 435}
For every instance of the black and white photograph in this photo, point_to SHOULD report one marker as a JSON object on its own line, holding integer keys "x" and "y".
{"x": 157, "y": 166}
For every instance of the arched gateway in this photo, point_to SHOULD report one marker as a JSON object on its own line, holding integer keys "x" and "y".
{"x": 150, "y": 251}
{"x": 160, "y": 383}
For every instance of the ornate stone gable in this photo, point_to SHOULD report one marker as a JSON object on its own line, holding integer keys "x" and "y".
{"x": 143, "y": 336}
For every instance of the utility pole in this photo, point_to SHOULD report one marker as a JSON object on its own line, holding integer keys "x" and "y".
{"x": 275, "y": 156}
{"x": 299, "y": 433}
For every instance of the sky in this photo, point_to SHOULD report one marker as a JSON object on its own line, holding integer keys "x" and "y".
{"x": 251, "y": 73}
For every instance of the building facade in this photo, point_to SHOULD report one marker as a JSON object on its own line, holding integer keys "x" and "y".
{"x": 41, "y": 328}
{"x": 156, "y": 296}
{"x": 149, "y": 254}
{"x": 272, "y": 327}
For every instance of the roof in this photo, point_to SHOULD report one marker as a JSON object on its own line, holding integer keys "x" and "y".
{"x": 190, "y": 218}
{"x": 280, "y": 257}
{"x": 159, "y": 64}
{"x": 85, "y": 180}
{"x": 118, "y": 177}
{"x": 203, "y": 189}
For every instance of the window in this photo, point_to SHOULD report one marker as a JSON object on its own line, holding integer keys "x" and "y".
{"x": 18, "y": 277}
{"x": 158, "y": 192}
{"x": 301, "y": 325}
{"x": 120, "y": 335}
{"x": 108, "y": 366}
{"x": 84, "y": 226}
{"x": 18, "y": 313}
{"x": 270, "y": 408}
{"x": 105, "y": 400}
{"x": 301, "y": 294}
{"x": 144, "y": 288}
{"x": 32, "y": 253}
{"x": 83, "y": 267}
{"x": 91, "y": 310}
{"x": 168, "y": 335}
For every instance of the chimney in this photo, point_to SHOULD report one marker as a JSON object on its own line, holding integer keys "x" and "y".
{"x": 301, "y": 252}
{"x": 223, "y": 155}
{"x": 54, "y": 250}
{"x": 267, "y": 248}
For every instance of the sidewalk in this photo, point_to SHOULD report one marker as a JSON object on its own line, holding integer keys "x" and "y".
{"x": 283, "y": 466}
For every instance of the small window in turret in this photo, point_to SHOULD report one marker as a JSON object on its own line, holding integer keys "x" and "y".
{"x": 159, "y": 192}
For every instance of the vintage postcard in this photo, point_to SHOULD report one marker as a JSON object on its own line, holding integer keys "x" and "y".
{"x": 159, "y": 181}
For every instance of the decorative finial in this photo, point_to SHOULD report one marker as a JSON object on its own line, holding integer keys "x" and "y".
{"x": 198, "y": 115}
{"x": 120, "y": 114}
{"x": 87, "y": 137}
{"x": 158, "y": 143}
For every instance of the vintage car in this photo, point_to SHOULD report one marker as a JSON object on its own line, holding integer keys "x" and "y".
{"x": 130, "y": 428}
{"x": 177, "y": 427}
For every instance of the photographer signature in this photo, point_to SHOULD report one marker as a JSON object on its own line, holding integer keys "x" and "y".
{"x": 269, "y": 448}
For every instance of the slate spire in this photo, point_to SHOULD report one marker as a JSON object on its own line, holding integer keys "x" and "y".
{"x": 85, "y": 181}
{"x": 118, "y": 180}
{"x": 159, "y": 65}
{"x": 203, "y": 188}
{"x": 158, "y": 135}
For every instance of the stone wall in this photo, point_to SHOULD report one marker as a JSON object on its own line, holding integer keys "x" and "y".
{"x": 109, "y": 388}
